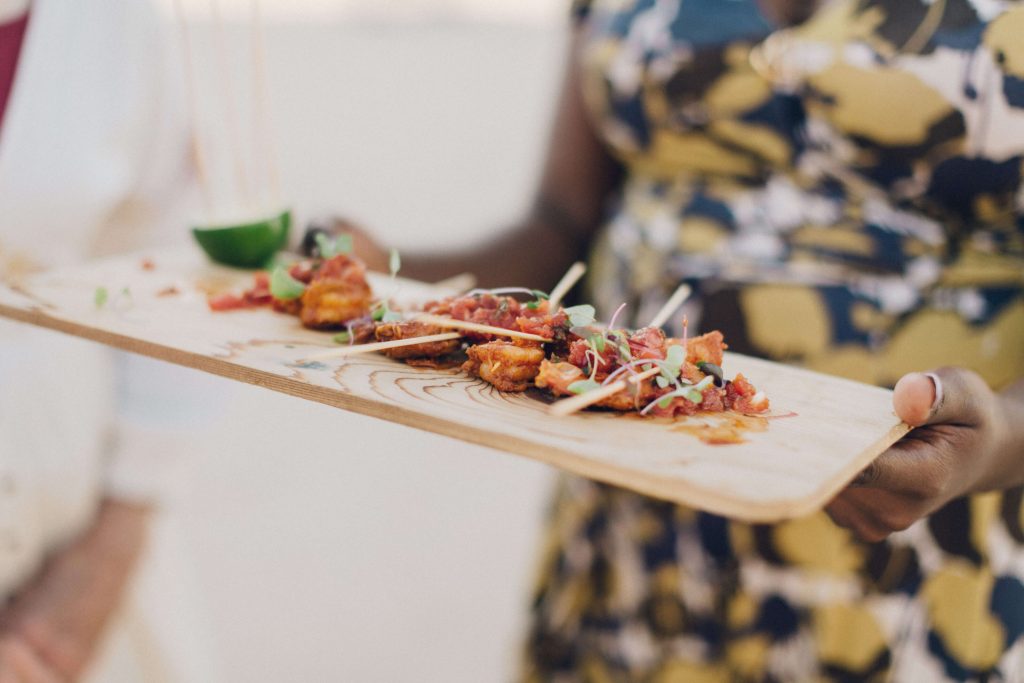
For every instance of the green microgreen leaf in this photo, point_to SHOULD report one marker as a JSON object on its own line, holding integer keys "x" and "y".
{"x": 661, "y": 381}
{"x": 538, "y": 297}
{"x": 100, "y": 297}
{"x": 582, "y": 315}
{"x": 394, "y": 262}
{"x": 329, "y": 247}
{"x": 672, "y": 366}
{"x": 582, "y": 386}
{"x": 283, "y": 286}
{"x": 383, "y": 313}
{"x": 597, "y": 342}
{"x": 342, "y": 338}
{"x": 691, "y": 392}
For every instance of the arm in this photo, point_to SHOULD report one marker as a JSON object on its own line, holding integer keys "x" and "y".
{"x": 577, "y": 177}
{"x": 52, "y": 628}
{"x": 967, "y": 439}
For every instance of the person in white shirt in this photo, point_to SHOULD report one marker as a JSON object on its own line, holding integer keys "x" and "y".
{"x": 93, "y": 158}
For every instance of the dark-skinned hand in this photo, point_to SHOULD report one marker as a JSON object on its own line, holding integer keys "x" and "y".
{"x": 963, "y": 443}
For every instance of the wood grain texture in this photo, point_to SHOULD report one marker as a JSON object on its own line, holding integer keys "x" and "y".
{"x": 791, "y": 468}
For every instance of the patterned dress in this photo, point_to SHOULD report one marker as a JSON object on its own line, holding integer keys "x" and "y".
{"x": 846, "y": 195}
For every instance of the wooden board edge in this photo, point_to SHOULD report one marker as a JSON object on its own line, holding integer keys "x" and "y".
{"x": 676, "y": 491}
{"x": 836, "y": 484}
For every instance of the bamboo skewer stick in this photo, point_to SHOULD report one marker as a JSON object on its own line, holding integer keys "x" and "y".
{"x": 241, "y": 177}
{"x": 261, "y": 108}
{"x": 354, "y": 349}
{"x": 574, "y": 404}
{"x": 677, "y": 299}
{"x": 452, "y": 323}
{"x": 198, "y": 152}
{"x": 568, "y": 281}
{"x": 439, "y": 321}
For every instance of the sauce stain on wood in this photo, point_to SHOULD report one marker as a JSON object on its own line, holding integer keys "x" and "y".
{"x": 722, "y": 429}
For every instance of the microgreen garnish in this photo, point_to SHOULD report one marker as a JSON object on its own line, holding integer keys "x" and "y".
{"x": 691, "y": 392}
{"x": 597, "y": 342}
{"x": 538, "y": 297}
{"x": 615, "y": 316}
{"x": 621, "y": 341}
{"x": 342, "y": 338}
{"x": 394, "y": 263}
{"x": 583, "y": 385}
{"x": 283, "y": 286}
{"x": 100, "y": 297}
{"x": 582, "y": 315}
{"x": 383, "y": 313}
{"x": 329, "y": 247}
{"x": 672, "y": 366}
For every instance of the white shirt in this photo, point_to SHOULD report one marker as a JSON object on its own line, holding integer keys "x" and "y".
{"x": 93, "y": 156}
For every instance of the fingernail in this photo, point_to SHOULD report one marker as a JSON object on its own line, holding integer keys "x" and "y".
{"x": 939, "y": 395}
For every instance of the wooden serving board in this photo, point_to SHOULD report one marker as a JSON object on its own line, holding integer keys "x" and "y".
{"x": 793, "y": 467}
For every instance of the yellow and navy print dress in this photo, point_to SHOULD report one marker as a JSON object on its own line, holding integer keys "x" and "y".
{"x": 846, "y": 195}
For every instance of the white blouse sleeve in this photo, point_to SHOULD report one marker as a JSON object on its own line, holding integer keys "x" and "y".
{"x": 158, "y": 407}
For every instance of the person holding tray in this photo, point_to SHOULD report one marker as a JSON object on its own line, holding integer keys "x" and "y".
{"x": 841, "y": 184}
{"x": 93, "y": 157}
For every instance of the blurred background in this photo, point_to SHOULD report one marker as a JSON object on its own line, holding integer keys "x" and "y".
{"x": 326, "y": 546}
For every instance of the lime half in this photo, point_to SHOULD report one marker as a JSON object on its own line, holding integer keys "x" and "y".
{"x": 245, "y": 245}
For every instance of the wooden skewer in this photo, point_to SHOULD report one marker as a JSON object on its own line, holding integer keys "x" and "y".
{"x": 353, "y": 349}
{"x": 198, "y": 151}
{"x": 677, "y": 299}
{"x": 574, "y": 404}
{"x": 225, "y": 86}
{"x": 261, "y": 125}
{"x": 452, "y": 323}
{"x": 568, "y": 281}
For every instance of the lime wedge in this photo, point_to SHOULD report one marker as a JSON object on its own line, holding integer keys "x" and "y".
{"x": 245, "y": 245}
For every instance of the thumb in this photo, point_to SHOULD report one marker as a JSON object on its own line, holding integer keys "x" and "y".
{"x": 943, "y": 396}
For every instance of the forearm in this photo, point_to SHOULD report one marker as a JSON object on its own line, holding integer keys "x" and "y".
{"x": 578, "y": 177}
{"x": 534, "y": 255}
{"x": 65, "y": 610}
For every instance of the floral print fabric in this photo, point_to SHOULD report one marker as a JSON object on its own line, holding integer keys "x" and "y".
{"x": 846, "y": 195}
